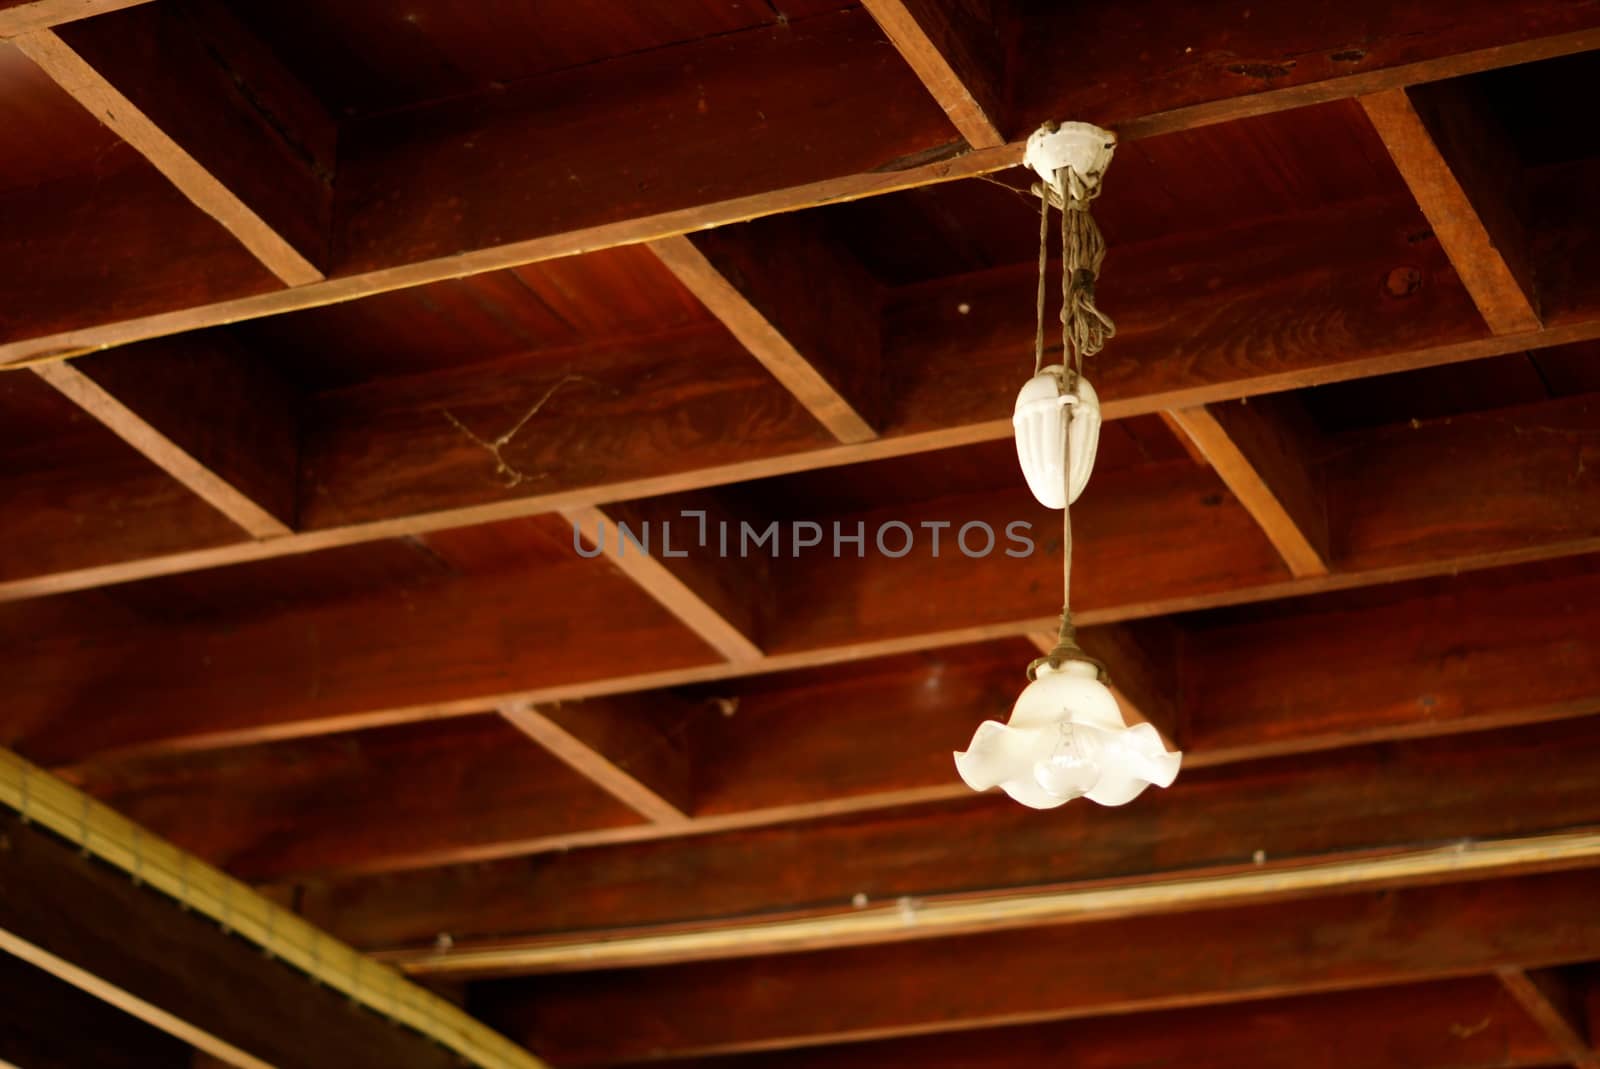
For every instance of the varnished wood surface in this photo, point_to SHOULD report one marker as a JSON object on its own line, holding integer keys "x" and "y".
{"x": 1370, "y": 635}
{"x": 1120, "y": 966}
{"x": 1349, "y": 802}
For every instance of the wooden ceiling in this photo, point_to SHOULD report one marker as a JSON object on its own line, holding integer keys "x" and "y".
{"x": 322, "y": 324}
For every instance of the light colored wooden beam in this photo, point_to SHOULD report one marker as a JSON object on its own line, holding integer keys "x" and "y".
{"x": 1462, "y": 177}
{"x": 1551, "y": 1001}
{"x": 954, "y": 50}
{"x": 193, "y": 998}
{"x": 1259, "y": 449}
{"x": 31, "y": 15}
{"x": 91, "y": 89}
{"x": 992, "y": 913}
{"x": 620, "y": 745}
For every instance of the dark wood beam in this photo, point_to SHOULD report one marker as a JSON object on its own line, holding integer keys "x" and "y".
{"x": 1267, "y": 816}
{"x": 1264, "y": 450}
{"x": 1452, "y": 1024}
{"x": 1467, "y": 180}
{"x": 627, "y": 746}
{"x": 94, "y": 928}
{"x": 229, "y": 434}
{"x": 1151, "y": 541}
{"x": 46, "y": 1023}
{"x": 1117, "y": 966}
{"x": 1435, "y": 656}
{"x": 25, "y": 16}
{"x": 955, "y": 48}
{"x": 1552, "y": 999}
{"x": 416, "y": 155}
{"x": 385, "y": 463}
{"x": 452, "y": 646}
{"x": 800, "y": 304}
{"x": 144, "y": 73}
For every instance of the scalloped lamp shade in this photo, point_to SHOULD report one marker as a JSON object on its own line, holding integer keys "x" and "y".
{"x": 1039, "y": 421}
{"x": 1066, "y": 739}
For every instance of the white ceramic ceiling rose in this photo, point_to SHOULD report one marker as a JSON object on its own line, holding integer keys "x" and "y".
{"x": 1040, "y": 423}
{"x": 1066, "y": 739}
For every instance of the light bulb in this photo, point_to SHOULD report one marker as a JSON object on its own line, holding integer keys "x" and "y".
{"x": 1039, "y": 422}
{"x": 1067, "y": 739}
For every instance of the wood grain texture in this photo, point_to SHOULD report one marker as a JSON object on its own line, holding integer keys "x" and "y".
{"x": 365, "y": 660}
{"x": 1441, "y": 655}
{"x": 1263, "y": 450}
{"x": 801, "y": 305}
{"x": 623, "y": 413}
{"x": 1429, "y": 54}
{"x": 955, "y": 50}
{"x": 622, "y": 745}
{"x": 231, "y": 438}
{"x": 1347, "y": 803}
{"x": 660, "y": 131}
{"x": 178, "y": 971}
{"x": 1322, "y": 944}
{"x": 1465, "y": 187}
{"x": 1452, "y": 1024}
{"x": 108, "y": 103}
{"x": 1194, "y": 313}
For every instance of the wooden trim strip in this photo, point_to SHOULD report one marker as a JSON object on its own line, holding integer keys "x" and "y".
{"x": 911, "y": 920}
{"x": 86, "y": 85}
{"x": 42, "y": 798}
{"x": 26, "y": 17}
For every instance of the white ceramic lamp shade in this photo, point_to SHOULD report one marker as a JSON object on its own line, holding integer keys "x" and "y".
{"x": 1066, "y": 739}
{"x": 1040, "y": 423}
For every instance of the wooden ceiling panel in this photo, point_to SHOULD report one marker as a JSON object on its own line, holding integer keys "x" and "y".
{"x": 76, "y": 495}
{"x": 364, "y": 799}
{"x": 559, "y": 304}
{"x": 569, "y": 419}
{"x": 367, "y": 56}
{"x": 1270, "y": 166}
{"x": 658, "y": 131}
{"x": 451, "y": 646}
